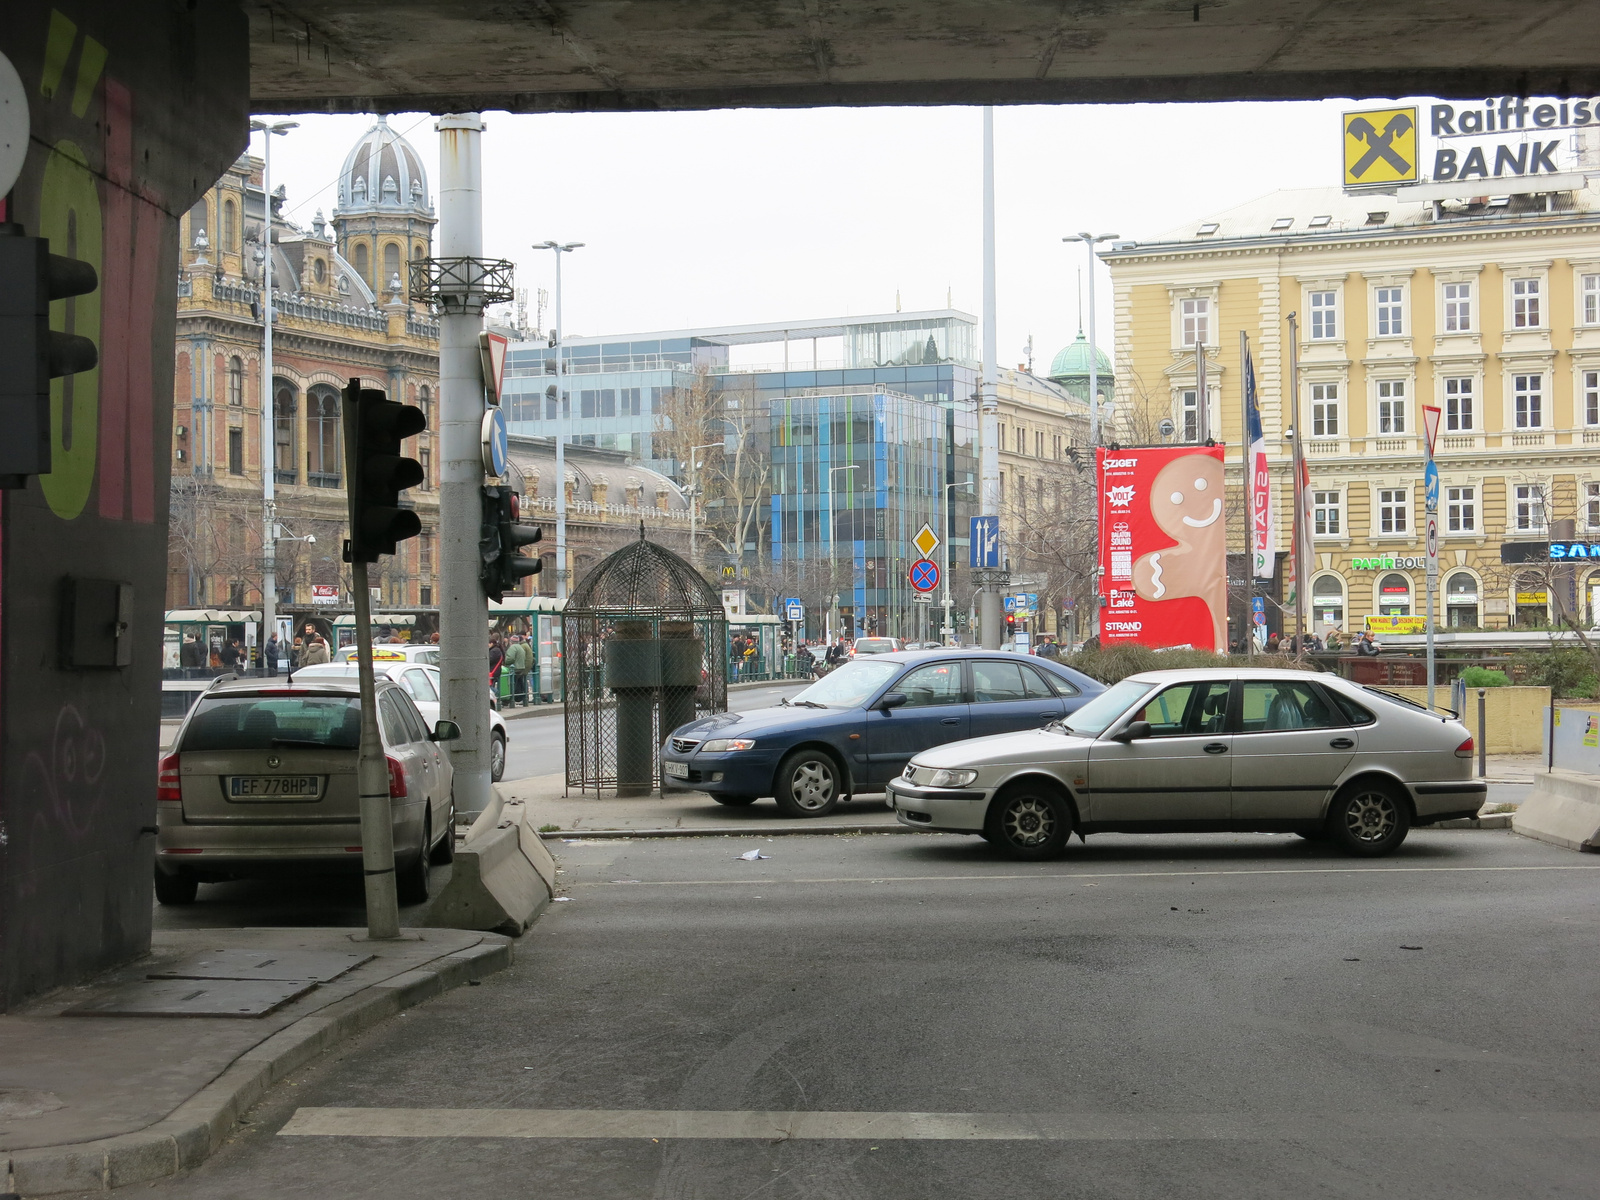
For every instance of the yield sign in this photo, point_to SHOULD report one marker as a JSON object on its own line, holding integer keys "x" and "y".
{"x": 926, "y": 542}
{"x": 492, "y": 350}
{"x": 1430, "y": 425}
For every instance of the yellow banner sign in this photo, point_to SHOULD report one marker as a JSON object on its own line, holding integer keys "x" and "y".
{"x": 1380, "y": 146}
{"x": 1397, "y": 624}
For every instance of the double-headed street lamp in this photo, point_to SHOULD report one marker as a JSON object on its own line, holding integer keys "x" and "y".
{"x": 1090, "y": 240}
{"x": 694, "y": 496}
{"x": 269, "y": 468}
{"x": 944, "y": 567}
{"x": 560, "y": 248}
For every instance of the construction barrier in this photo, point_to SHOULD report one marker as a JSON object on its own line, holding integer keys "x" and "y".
{"x": 503, "y": 876}
{"x": 1563, "y": 809}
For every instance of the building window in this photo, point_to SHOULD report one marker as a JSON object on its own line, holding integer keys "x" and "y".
{"x": 1327, "y": 600}
{"x": 235, "y": 452}
{"x": 425, "y": 596}
{"x": 426, "y": 458}
{"x": 391, "y": 267}
{"x": 1390, "y": 321}
{"x": 1525, "y": 303}
{"x": 1056, "y": 442}
{"x": 1394, "y": 595}
{"x": 588, "y": 401}
{"x": 1196, "y": 313}
{"x": 1458, "y": 405}
{"x": 361, "y": 264}
{"x": 1527, "y": 510}
{"x": 1591, "y": 299}
{"x": 630, "y": 402}
{"x": 1529, "y": 393}
{"x": 322, "y": 437}
{"x": 1391, "y": 406}
{"x": 1324, "y": 322}
{"x": 1324, "y": 410}
{"x": 230, "y": 225}
{"x": 1457, "y": 307}
{"x": 1461, "y": 509}
{"x": 424, "y": 402}
{"x": 1038, "y": 445}
{"x": 608, "y": 402}
{"x": 1188, "y": 402}
{"x": 1461, "y": 600}
{"x": 235, "y": 380}
{"x": 1591, "y": 397}
{"x": 1591, "y": 504}
{"x": 1394, "y": 510}
{"x": 285, "y": 468}
{"x": 1325, "y": 513}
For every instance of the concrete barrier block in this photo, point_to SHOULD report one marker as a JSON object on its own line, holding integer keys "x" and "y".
{"x": 503, "y": 876}
{"x": 1563, "y": 809}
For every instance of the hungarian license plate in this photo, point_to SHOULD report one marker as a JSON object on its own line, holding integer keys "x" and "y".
{"x": 274, "y": 787}
{"x": 678, "y": 770}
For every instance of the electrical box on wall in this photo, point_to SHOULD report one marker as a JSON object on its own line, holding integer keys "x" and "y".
{"x": 96, "y": 624}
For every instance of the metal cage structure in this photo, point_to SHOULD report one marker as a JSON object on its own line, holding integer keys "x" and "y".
{"x": 645, "y": 638}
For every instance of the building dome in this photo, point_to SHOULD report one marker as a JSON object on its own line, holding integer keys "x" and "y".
{"x": 382, "y": 173}
{"x": 1072, "y": 362}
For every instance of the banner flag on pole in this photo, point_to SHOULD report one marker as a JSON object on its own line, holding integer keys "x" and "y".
{"x": 1259, "y": 486}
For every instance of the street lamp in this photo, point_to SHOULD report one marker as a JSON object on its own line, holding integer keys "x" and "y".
{"x": 694, "y": 496}
{"x": 944, "y": 568}
{"x": 269, "y": 468}
{"x": 832, "y": 471}
{"x": 560, "y": 248}
{"x": 1089, "y": 240}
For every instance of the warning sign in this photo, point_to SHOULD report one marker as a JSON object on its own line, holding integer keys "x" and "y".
{"x": 1380, "y": 146}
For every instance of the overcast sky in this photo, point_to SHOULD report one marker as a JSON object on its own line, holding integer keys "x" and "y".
{"x": 753, "y": 215}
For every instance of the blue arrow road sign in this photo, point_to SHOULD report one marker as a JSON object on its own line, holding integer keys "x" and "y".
{"x": 985, "y": 550}
{"x": 1430, "y": 479}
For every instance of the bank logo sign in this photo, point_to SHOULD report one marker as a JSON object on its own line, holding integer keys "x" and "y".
{"x": 1380, "y": 146}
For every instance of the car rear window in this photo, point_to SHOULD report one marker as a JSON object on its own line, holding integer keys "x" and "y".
{"x": 265, "y": 722}
{"x": 874, "y": 645}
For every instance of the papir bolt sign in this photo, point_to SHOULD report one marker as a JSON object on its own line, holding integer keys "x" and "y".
{"x": 1380, "y": 146}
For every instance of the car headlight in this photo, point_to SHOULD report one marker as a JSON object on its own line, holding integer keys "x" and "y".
{"x": 949, "y": 778}
{"x": 722, "y": 745}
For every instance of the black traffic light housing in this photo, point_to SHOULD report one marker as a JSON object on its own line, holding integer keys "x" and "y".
{"x": 501, "y": 567}
{"x": 376, "y": 426}
{"x": 31, "y": 354}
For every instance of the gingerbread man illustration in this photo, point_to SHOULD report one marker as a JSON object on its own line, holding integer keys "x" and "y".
{"x": 1186, "y": 501}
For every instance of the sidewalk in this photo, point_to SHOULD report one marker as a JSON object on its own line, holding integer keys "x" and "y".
{"x": 95, "y": 1102}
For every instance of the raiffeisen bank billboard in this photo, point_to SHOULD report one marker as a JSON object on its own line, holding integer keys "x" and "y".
{"x": 1503, "y": 144}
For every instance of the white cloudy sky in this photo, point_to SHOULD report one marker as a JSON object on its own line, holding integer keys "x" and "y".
{"x": 731, "y": 217}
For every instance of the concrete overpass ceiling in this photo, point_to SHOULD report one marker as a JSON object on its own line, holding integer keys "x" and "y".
{"x": 619, "y": 55}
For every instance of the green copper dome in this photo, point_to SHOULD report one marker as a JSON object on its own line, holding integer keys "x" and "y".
{"x": 1072, "y": 362}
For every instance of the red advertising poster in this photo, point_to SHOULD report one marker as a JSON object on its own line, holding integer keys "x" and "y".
{"x": 1163, "y": 547}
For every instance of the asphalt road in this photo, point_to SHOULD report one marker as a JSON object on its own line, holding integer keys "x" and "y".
{"x": 1232, "y": 1016}
{"x": 537, "y": 745}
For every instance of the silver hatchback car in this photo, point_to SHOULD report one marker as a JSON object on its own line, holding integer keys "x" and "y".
{"x": 261, "y": 780}
{"x": 1225, "y": 750}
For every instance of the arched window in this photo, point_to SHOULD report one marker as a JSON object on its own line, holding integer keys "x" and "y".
{"x": 319, "y": 270}
{"x": 423, "y": 398}
{"x": 286, "y": 464}
{"x": 391, "y": 265}
{"x": 1461, "y": 600}
{"x": 230, "y": 225}
{"x": 1531, "y": 595}
{"x": 1327, "y": 602}
{"x": 198, "y": 221}
{"x": 1394, "y": 595}
{"x": 361, "y": 263}
{"x": 235, "y": 380}
{"x": 322, "y": 437}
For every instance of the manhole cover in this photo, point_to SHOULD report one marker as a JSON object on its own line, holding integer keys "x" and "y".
{"x": 320, "y": 965}
{"x": 194, "y": 998}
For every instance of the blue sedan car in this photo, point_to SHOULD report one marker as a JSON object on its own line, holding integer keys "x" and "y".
{"x": 857, "y": 727}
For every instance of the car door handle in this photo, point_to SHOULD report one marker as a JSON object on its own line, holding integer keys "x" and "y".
{"x": 1342, "y": 743}
{"x": 1216, "y": 748}
{"x": 951, "y": 721}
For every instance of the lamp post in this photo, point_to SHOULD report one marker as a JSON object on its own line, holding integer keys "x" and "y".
{"x": 944, "y": 569}
{"x": 694, "y": 498}
{"x": 269, "y": 467}
{"x": 832, "y": 471}
{"x": 1090, "y": 240}
{"x": 560, "y": 248}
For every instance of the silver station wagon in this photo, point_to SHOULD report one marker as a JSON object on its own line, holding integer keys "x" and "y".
{"x": 1238, "y": 750}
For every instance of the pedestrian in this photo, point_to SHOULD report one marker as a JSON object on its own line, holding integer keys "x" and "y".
{"x": 519, "y": 658}
{"x": 1333, "y": 641}
{"x": 1272, "y": 643}
{"x": 497, "y": 658}
{"x": 274, "y": 649}
{"x": 229, "y": 654}
{"x": 316, "y": 650}
{"x": 806, "y": 661}
{"x": 1366, "y": 646}
{"x": 193, "y": 654}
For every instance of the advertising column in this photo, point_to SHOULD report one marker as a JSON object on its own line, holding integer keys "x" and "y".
{"x": 1163, "y": 547}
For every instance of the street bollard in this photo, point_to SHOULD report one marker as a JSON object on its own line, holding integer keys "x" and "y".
{"x": 1483, "y": 742}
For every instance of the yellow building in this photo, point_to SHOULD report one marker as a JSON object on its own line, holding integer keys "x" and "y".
{"x": 1488, "y": 309}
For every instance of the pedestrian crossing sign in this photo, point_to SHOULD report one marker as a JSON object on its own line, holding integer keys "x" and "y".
{"x": 1380, "y": 146}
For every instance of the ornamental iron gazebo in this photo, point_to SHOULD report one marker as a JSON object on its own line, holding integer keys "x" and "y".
{"x": 644, "y": 642}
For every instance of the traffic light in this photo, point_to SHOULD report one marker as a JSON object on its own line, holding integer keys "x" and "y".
{"x": 31, "y": 353}
{"x": 1011, "y": 622}
{"x": 377, "y": 426}
{"x": 501, "y": 567}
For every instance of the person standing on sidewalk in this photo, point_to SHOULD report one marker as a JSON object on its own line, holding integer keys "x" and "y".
{"x": 518, "y": 660}
{"x": 274, "y": 648}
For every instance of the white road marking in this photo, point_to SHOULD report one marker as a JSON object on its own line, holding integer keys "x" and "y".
{"x": 913, "y": 1126}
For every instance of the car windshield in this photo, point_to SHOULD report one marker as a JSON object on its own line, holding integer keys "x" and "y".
{"x": 1093, "y": 718}
{"x": 262, "y": 722}
{"x": 849, "y": 685}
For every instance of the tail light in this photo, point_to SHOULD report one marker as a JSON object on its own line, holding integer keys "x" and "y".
{"x": 169, "y": 788}
{"x": 1465, "y": 749}
{"x": 397, "y": 780}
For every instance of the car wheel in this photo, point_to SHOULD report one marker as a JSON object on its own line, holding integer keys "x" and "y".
{"x": 1029, "y": 823}
{"x": 176, "y": 889}
{"x": 497, "y": 756}
{"x": 1368, "y": 819}
{"x": 734, "y": 801}
{"x": 808, "y": 784}
{"x": 445, "y": 851}
{"x": 411, "y": 880}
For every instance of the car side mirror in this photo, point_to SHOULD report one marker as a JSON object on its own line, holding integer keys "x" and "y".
{"x": 1134, "y": 731}
{"x": 445, "y": 731}
{"x": 892, "y": 700}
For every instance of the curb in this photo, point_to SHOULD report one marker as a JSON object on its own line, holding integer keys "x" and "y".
{"x": 756, "y": 831}
{"x": 1491, "y": 821}
{"x": 195, "y": 1130}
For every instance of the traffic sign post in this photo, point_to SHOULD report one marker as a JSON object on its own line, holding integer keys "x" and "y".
{"x": 924, "y": 575}
{"x": 926, "y": 542}
{"x": 1430, "y": 480}
{"x": 985, "y": 548}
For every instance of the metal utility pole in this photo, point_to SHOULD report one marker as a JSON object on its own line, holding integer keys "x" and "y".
{"x": 833, "y": 581}
{"x": 991, "y": 620}
{"x": 556, "y": 333}
{"x": 694, "y": 499}
{"x": 269, "y": 466}
{"x": 1202, "y": 401}
{"x": 1089, "y": 240}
